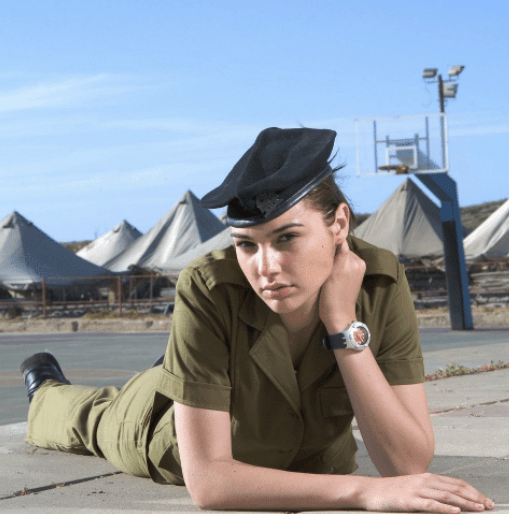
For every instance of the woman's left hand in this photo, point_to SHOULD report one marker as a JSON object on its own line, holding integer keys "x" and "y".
{"x": 340, "y": 291}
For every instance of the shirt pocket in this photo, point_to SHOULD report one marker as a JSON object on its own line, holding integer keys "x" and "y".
{"x": 334, "y": 401}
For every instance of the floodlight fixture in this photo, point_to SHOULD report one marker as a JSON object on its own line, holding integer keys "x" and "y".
{"x": 449, "y": 90}
{"x": 454, "y": 71}
{"x": 429, "y": 73}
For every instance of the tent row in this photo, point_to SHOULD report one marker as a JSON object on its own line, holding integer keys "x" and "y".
{"x": 408, "y": 224}
{"x": 28, "y": 256}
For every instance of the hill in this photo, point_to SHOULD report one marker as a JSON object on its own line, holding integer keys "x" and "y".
{"x": 75, "y": 246}
{"x": 474, "y": 215}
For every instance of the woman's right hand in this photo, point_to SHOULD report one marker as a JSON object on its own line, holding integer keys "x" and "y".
{"x": 423, "y": 492}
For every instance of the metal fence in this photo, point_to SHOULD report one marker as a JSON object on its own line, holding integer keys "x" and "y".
{"x": 150, "y": 293}
{"x": 488, "y": 284}
{"x": 155, "y": 293}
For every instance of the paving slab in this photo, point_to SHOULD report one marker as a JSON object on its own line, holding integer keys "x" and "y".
{"x": 24, "y": 466}
{"x": 489, "y": 410}
{"x": 118, "y": 493}
{"x": 468, "y": 390}
{"x": 472, "y": 437}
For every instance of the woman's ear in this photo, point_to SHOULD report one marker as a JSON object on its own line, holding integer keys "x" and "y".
{"x": 341, "y": 223}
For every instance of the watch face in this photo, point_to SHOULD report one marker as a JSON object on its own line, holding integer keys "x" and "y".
{"x": 359, "y": 336}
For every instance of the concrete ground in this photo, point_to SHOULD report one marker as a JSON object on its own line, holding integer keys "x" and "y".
{"x": 469, "y": 415}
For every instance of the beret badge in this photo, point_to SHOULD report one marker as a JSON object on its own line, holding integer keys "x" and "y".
{"x": 267, "y": 202}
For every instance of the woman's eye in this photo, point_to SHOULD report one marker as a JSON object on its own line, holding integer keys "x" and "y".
{"x": 244, "y": 244}
{"x": 286, "y": 238}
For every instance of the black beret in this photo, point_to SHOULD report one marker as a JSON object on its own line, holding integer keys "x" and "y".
{"x": 281, "y": 167}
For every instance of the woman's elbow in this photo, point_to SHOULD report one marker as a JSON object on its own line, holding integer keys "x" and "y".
{"x": 430, "y": 450}
{"x": 417, "y": 467}
{"x": 205, "y": 503}
{"x": 205, "y": 499}
{"x": 206, "y": 490}
{"x": 419, "y": 463}
{"x": 424, "y": 453}
{"x": 411, "y": 463}
{"x": 208, "y": 499}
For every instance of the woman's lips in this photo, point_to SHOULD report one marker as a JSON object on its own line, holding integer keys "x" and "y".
{"x": 281, "y": 291}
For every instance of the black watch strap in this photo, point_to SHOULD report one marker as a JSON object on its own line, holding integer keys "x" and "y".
{"x": 335, "y": 341}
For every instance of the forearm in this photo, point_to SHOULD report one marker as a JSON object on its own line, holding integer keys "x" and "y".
{"x": 396, "y": 442}
{"x": 231, "y": 484}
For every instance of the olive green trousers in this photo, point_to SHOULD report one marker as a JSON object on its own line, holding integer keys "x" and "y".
{"x": 125, "y": 426}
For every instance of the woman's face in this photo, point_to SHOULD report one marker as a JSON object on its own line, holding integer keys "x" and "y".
{"x": 287, "y": 259}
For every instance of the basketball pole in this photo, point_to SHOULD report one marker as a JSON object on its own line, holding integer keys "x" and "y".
{"x": 445, "y": 188}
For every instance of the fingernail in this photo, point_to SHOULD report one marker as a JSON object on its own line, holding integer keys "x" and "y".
{"x": 479, "y": 506}
{"x": 490, "y": 503}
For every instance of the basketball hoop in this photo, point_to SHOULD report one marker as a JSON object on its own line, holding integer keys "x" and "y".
{"x": 402, "y": 145}
{"x": 399, "y": 169}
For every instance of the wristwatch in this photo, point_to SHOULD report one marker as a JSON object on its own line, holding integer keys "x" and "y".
{"x": 355, "y": 337}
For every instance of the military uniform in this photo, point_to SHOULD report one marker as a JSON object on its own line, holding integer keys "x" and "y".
{"x": 228, "y": 351}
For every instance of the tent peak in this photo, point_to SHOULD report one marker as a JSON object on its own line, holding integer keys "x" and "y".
{"x": 183, "y": 227}
{"x": 188, "y": 195}
{"x": 123, "y": 224}
{"x": 15, "y": 218}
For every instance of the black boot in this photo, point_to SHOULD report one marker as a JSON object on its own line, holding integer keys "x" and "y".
{"x": 159, "y": 361}
{"x": 39, "y": 368}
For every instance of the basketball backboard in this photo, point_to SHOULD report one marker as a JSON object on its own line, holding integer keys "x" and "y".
{"x": 402, "y": 144}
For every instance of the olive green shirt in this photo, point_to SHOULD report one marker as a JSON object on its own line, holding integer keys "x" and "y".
{"x": 229, "y": 352}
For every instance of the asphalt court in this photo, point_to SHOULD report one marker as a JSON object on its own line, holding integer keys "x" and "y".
{"x": 104, "y": 359}
{"x": 469, "y": 348}
{"x": 95, "y": 359}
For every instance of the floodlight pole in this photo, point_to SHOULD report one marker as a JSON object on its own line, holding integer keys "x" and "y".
{"x": 445, "y": 188}
{"x": 441, "y": 93}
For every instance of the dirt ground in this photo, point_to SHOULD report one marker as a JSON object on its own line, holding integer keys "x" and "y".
{"x": 483, "y": 318}
{"x": 86, "y": 325}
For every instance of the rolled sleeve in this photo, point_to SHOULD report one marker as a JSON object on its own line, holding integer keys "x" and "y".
{"x": 197, "y": 356}
{"x": 197, "y": 394}
{"x": 400, "y": 354}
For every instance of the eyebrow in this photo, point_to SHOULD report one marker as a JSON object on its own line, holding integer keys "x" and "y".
{"x": 273, "y": 232}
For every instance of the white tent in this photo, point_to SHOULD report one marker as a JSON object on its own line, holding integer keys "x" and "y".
{"x": 28, "y": 255}
{"x": 491, "y": 238}
{"x": 174, "y": 266}
{"x": 109, "y": 245}
{"x": 185, "y": 226}
{"x": 222, "y": 218}
{"x": 408, "y": 224}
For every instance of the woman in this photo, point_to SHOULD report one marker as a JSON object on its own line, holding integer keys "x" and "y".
{"x": 276, "y": 344}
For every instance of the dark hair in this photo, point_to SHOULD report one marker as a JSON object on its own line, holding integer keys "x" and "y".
{"x": 326, "y": 197}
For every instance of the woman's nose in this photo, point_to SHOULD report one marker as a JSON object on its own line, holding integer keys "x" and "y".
{"x": 268, "y": 263}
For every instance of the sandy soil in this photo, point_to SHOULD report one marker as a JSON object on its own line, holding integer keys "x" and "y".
{"x": 88, "y": 325}
{"x": 482, "y": 319}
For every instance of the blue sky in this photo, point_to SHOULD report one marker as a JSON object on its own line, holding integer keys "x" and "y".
{"x": 111, "y": 110}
